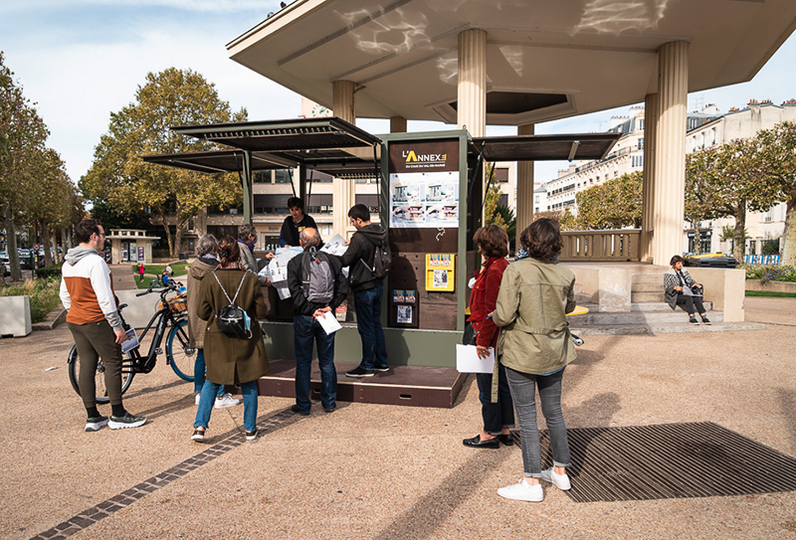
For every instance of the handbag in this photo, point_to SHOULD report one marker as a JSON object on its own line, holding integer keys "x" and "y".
{"x": 470, "y": 334}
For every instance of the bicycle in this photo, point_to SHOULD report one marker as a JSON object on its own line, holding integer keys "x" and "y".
{"x": 180, "y": 355}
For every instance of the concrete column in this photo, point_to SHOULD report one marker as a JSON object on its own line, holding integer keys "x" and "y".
{"x": 648, "y": 186}
{"x": 524, "y": 187}
{"x": 397, "y": 124}
{"x": 343, "y": 191}
{"x": 471, "y": 97}
{"x": 669, "y": 174}
{"x": 343, "y": 104}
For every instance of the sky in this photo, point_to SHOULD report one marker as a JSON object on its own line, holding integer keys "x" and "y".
{"x": 81, "y": 60}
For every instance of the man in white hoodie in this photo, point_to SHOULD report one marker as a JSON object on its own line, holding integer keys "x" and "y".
{"x": 87, "y": 294}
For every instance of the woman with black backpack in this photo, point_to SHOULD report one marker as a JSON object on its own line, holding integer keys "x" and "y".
{"x": 234, "y": 347}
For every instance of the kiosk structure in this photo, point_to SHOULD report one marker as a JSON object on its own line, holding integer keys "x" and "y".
{"x": 430, "y": 202}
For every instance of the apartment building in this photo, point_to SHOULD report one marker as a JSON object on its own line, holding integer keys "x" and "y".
{"x": 705, "y": 128}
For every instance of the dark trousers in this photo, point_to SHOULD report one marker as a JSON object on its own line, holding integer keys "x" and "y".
{"x": 689, "y": 302}
{"x": 367, "y": 304}
{"x": 306, "y": 331}
{"x": 496, "y": 415}
{"x": 95, "y": 340}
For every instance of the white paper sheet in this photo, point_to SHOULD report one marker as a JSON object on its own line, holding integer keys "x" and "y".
{"x": 335, "y": 245}
{"x": 329, "y": 323}
{"x": 467, "y": 360}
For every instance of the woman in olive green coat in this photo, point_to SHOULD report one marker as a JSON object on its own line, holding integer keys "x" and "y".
{"x": 231, "y": 360}
{"x": 534, "y": 346}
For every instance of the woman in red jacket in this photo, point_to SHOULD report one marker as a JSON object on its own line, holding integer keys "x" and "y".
{"x": 493, "y": 245}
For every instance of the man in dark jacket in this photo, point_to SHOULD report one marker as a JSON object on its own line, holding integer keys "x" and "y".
{"x": 306, "y": 328}
{"x": 368, "y": 290}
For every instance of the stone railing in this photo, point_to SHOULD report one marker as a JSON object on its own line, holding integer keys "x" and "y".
{"x": 604, "y": 245}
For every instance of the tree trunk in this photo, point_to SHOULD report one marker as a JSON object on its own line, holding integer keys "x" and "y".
{"x": 789, "y": 236}
{"x": 165, "y": 225}
{"x": 739, "y": 242}
{"x": 177, "y": 241}
{"x": 11, "y": 244}
{"x": 45, "y": 244}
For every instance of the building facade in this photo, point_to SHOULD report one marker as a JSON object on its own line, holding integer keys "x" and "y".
{"x": 706, "y": 128}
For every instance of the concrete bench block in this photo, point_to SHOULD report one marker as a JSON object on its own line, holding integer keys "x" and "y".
{"x": 15, "y": 316}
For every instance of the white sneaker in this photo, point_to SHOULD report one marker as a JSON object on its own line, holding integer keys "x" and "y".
{"x": 561, "y": 481}
{"x": 198, "y": 398}
{"x": 523, "y": 491}
{"x": 226, "y": 401}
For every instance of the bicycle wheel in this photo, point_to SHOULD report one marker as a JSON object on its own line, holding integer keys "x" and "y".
{"x": 179, "y": 354}
{"x": 99, "y": 376}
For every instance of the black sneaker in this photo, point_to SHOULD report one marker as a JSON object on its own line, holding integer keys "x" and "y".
{"x": 692, "y": 320}
{"x": 382, "y": 369}
{"x": 295, "y": 409}
{"x": 705, "y": 320}
{"x": 95, "y": 423}
{"x": 330, "y": 409}
{"x": 359, "y": 372}
{"x": 251, "y": 435}
{"x": 126, "y": 421}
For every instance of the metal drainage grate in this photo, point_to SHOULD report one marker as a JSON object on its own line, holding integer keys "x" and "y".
{"x": 671, "y": 461}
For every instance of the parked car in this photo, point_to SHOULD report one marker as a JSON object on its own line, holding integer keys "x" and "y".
{"x": 711, "y": 260}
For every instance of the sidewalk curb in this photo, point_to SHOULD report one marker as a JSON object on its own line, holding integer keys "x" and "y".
{"x": 53, "y": 319}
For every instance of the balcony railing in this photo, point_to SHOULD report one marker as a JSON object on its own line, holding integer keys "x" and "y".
{"x": 605, "y": 245}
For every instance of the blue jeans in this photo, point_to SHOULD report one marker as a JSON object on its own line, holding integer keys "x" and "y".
{"x": 199, "y": 370}
{"x": 206, "y": 402}
{"x": 306, "y": 330}
{"x": 500, "y": 414}
{"x": 523, "y": 391}
{"x": 367, "y": 304}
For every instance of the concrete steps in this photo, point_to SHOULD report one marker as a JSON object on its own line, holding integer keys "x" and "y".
{"x": 640, "y": 329}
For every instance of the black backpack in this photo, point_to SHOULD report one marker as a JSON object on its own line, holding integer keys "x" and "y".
{"x": 382, "y": 258}
{"x": 232, "y": 320}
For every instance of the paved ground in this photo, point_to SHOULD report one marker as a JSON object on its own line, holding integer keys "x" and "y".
{"x": 372, "y": 471}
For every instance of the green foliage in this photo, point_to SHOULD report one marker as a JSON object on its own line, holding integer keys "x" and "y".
{"x": 129, "y": 185}
{"x": 43, "y": 293}
{"x": 492, "y": 200}
{"x": 115, "y": 218}
{"x": 53, "y": 271}
{"x": 611, "y": 205}
{"x": 770, "y": 247}
{"x": 770, "y": 272}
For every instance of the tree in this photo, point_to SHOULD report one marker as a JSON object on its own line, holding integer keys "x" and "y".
{"x": 128, "y": 184}
{"x": 735, "y": 177}
{"x": 700, "y": 199}
{"x": 781, "y": 153}
{"x": 22, "y": 138}
{"x": 492, "y": 200}
{"x": 612, "y": 205}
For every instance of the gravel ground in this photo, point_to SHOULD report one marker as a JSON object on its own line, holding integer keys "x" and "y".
{"x": 388, "y": 472}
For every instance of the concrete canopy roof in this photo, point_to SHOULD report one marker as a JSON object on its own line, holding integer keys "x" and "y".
{"x": 546, "y": 59}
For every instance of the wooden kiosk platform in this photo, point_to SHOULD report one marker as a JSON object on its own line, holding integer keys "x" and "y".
{"x": 413, "y": 386}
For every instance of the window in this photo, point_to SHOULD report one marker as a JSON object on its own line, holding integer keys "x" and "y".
{"x": 641, "y": 143}
{"x": 283, "y": 176}
{"x": 502, "y": 174}
{"x": 261, "y": 177}
{"x": 321, "y": 203}
{"x": 370, "y": 200}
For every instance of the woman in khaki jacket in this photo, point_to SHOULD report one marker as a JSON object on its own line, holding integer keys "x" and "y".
{"x": 231, "y": 360}
{"x": 534, "y": 346}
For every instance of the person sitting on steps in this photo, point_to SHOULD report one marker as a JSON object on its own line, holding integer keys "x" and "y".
{"x": 679, "y": 287}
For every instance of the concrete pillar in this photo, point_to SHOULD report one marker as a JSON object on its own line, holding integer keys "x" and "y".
{"x": 343, "y": 191}
{"x": 669, "y": 174}
{"x": 471, "y": 96}
{"x": 524, "y": 187}
{"x": 648, "y": 186}
{"x": 343, "y": 104}
{"x": 397, "y": 124}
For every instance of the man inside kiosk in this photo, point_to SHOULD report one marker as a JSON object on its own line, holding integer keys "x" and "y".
{"x": 296, "y": 222}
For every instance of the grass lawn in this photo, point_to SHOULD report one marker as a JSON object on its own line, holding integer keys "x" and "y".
{"x": 771, "y": 294}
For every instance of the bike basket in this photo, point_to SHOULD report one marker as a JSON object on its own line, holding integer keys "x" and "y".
{"x": 177, "y": 304}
